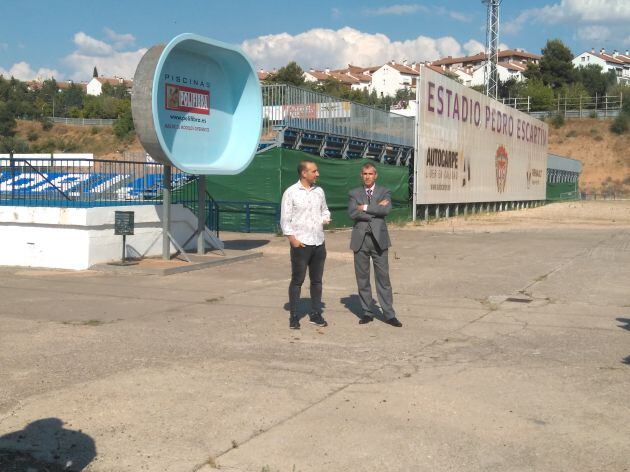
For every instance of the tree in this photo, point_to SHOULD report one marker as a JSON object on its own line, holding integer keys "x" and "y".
{"x": 556, "y": 66}
{"x": 541, "y": 95}
{"x": 116, "y": 91}
{"x": 94, "y": 72}
{"x": 510, "y": 88}
{"x": 594, "y": 81}
{"x": 532, "y": 72}
{"x": 289, "y": 74}
{"x": 7, "y": 121}
{"x": 123, "y": 126}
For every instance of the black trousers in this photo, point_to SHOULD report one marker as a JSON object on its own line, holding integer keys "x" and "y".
{"x": 311, "y": 258}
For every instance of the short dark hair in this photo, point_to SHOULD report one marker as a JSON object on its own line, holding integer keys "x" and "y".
{"x": 302, "y": 166}
{"x": 368, "y": 164}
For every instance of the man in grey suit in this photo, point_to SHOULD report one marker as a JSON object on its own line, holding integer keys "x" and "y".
{"x": 368, "y": 206}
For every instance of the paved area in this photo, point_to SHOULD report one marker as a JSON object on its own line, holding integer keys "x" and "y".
{"x": 514, "y": 356}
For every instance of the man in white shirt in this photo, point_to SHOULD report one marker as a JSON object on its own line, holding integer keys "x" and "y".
{"x": 303, "y": 215}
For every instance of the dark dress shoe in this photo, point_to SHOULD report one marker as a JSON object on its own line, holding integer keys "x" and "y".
{"x": 394, "y": 322}
{"x": 365, "y": 319}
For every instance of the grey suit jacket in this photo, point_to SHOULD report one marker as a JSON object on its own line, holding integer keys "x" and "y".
{"x": 372, "y": 220}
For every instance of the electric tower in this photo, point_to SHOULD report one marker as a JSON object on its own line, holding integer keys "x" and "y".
{"x": 492, "y": 48}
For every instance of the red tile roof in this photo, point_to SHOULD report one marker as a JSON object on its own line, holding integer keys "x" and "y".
{"x": 456, "y": 60}
{"x": 65, "y": 85}
{"x": 482, "y": 57}
{"x": 513, "y": 66}
{"x": 435, "y": 68}
{"x": 318, "y": 74}
{"x": 115, "y": 81}
{"x": 609, "y": 58}
{"x": 403, "y": 68}
{"x": 345, "y": 78}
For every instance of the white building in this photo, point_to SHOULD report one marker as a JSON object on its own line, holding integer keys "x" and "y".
{"x": 391, "y": 77}
{"x": 95, "y": 86}
{"x": 619, "y": 63}
{"x": 505, "y": 71}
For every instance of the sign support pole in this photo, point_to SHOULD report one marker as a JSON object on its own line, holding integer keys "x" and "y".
{"x": 416, "y": 151}
{"x": 201, "y": 206}
{"x": 166, "y": 214}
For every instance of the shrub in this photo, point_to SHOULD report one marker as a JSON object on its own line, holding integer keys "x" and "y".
{"x": 47, "y": 125}
{"x": 123, "y": 126}
{"x": 32, "y": 136}
{"x": 94, "y": 130}
{"x": 620, "y": 124}
{"x": 593, "y": 114}
{"x": 572, "y": 134}
{"x": 10, "y": 144}
{"x": 557, "y": 121}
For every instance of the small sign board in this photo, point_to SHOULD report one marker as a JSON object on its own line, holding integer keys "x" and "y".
{"x": 123, "y": 223}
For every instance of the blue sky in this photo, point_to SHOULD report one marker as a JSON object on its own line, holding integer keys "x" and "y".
{"x": 68, "y": 38}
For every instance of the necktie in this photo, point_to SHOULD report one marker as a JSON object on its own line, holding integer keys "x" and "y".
{"x": 369, "y": 195}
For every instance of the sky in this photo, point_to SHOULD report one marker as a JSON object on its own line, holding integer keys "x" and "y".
{"x": 66, "y": 39}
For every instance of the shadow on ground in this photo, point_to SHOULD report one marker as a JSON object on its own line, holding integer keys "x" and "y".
{"x": 245, "y": 244}
{"x": 626, "y": 326}
{"x": 303, "y": 307}
{"x": 45, "y": 445}
{"x": 353, "y": 304}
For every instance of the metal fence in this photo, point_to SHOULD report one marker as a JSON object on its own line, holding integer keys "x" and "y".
{"x": 287, "y": 105}
{"x": 81, "y": 182}
{"x": 598, "y": 106}
{"x": 604, "y": 196}
{"x": 86, "y": 183}
{"x": 82, "y": 121}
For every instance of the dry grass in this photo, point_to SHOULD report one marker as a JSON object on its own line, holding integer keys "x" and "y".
{"x": 98, "y": 140}
{"x": 605, "y": 156}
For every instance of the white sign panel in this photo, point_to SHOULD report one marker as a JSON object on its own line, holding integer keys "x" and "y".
{"x": 471, "y": 148}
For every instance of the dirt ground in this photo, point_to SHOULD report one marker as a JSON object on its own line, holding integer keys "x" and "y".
{"x": 579, "y": 214}
{"x": 513, "y": 356}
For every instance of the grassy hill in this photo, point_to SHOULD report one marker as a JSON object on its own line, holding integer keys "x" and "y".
{"x": 605, "y": 155}
{"x": 98, "y": 140}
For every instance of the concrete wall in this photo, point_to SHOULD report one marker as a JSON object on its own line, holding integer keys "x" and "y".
{"x": 77, "y": 238}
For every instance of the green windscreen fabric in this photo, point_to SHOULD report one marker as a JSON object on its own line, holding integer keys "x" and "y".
{"x": 250, "y": 201}
{"x": 562, "y": 191}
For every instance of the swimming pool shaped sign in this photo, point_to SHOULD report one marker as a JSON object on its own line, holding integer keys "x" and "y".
{"x": 197, "y": 105}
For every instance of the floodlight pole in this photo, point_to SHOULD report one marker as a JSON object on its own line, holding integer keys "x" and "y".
{"x": 166, "y": 214}
{"x": 492, "y": 48}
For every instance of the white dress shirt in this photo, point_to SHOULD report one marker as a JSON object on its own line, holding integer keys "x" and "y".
{"x": 303, "y": 212}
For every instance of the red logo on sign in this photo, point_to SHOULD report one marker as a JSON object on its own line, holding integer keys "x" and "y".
{"x": 501, "y": 163}
{"x": 187, "y": 99}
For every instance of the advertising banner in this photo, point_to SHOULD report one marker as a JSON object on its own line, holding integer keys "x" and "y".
{"x": 325, "y": 110}
{"x": 197, "y": 105}
{"x": 471, "y": 148}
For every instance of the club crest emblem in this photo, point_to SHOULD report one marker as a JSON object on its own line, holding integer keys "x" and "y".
{"x": 501, "y": 164}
